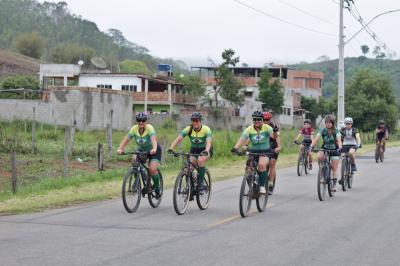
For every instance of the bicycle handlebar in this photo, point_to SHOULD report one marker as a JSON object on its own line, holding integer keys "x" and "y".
{"x": 134, "y": 152}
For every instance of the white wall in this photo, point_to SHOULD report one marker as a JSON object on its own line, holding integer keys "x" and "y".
{"x": 115, "y": 81}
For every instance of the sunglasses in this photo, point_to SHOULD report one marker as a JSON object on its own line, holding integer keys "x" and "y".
{"x": 257, "y": 119}
{"x": 348, "y": 123}
{"x": 266, "y": 120}
{"x": 195, "y": 120}
{"x": 141, "y": 120}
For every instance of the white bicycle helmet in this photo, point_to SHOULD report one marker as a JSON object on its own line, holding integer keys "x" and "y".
{"x": 348, "y": 120}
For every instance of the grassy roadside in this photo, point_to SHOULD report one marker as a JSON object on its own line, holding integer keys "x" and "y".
{"x": 55, "y": 193}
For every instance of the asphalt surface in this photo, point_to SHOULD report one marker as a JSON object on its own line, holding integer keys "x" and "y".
{"x": 356, "y": 227}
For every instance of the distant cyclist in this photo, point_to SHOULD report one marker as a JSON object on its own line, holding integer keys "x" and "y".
{"x": 382, "y": 133}
{"x": 259, "y": 135}
{"x": 146, "y": 140}
{"x": 307, "y": 132}
{"x": 351, "y": 140}
{"x": 200, "y": 143}
{"x": 331, "y": 139}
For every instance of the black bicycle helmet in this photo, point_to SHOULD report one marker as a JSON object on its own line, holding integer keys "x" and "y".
{"x": 196, "y": 115}
{"x": 141, "y": 116}
{"x": 381, "y": 122}
{"x": 330, "y": 118}
{"x": 257, "y": 114}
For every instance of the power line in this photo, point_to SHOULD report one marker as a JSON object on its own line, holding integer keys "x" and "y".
{"x": 352, "y": 8}
{"x": 308, "y": 13}
{"x": 281, "y": 20}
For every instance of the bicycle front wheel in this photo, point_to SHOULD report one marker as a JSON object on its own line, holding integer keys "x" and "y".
{"x": 131, "y": 191}
{"x": 321, "y": 182}
{"x": 155, "y": 199}
{"x": 246, "y": 195}
{"x": 300, "y": 164}
{"x": 203, "y": 197}
{"x": 182, "y": 190}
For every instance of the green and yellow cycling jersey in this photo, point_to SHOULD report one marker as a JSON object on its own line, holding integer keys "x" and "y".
{"x": 329, "y": 140}
{"x": 142, "y": 140}
{"x": 259, "y": 140}
{"x": 198, "y": 139}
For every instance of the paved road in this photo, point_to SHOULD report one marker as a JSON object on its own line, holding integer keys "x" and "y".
{"x": 359, "y": 227}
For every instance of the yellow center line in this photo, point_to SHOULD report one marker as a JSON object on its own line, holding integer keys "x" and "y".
{"x": 233, "y": 218}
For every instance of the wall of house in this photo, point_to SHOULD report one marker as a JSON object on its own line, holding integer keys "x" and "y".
{"x": 115, "y": 81}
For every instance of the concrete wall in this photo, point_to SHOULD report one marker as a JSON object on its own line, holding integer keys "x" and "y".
{"x": 92, "y": 108}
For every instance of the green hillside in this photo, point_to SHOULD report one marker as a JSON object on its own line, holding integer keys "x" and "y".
{"x": 390, "y": 68}
{"x": 58, "y": 31}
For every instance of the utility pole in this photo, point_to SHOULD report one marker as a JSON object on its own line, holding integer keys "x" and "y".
{"x": 340, "y": 115}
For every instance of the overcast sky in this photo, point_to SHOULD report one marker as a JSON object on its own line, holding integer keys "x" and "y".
{"x": 194, "y": 30}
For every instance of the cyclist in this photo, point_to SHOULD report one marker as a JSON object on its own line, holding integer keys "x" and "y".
{"x": 331, "y": 138}
{"x": 275, "y": 149}
{"x": 259, "y": 135}
{"x": 351, "y": 140}
{"x": 382, "y": 133}
{"x": 200, "y": 143}
{"x": 308, "y": 134}
{"x": 146, "y": 140}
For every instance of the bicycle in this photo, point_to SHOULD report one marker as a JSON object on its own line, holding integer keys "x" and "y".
{"x": 186, "y": 185}
{"x": 136, "y": 178}
{"x": 379, "y": 151}
{"x": 346, "y": 171}
{"x": 325, "y": 181}
{"x": 249, "y": 188}
{"x": 302, "y": 161}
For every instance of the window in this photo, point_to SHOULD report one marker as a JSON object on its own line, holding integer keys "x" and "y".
{"x": 102, "y": 86}
{"x": 129, "y": 88}
{"x": 248, "y": 94}
{"x": 286, "y": 111}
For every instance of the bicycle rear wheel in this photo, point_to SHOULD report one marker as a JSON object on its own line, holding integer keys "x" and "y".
{"x": 321, "y": 182}
{"x": 329, "y": 182}
{"x": 305, "y": 159}
{"x": 131, "y": 191}
{"x": 152, "y": 195}
{"x": 377, "y": 153}
{"x": 261, "y": 201}
{"x": 246, "y": 195}
{"x": 182, "y": 190}
{"x": 300, "y": 164}
{"x": 344, "y": 174}
{"x": 350, "y": 178}
{"x": 203, "y": 197}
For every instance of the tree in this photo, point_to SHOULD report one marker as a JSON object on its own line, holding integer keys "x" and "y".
{"x": 29, "y": 44}
{"x": 71, "y": 53}
{"x": 227, "y": 85}
{"x": 134, "y": 66}
{"x": 322, "y": 58}
{"x": 369, "y": 98}
{"x": 193, "y": 85}
{"x": 19, "y": 82}
{"x": 365, "y": 50}
{"x": 378, "y": 53}
{"x": 271, "y": 92}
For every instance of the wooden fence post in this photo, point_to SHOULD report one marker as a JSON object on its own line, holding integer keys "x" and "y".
{"x": 73, "y": 130}
{"x": 34, "y": 149}
{"x": 109, "y": 135}
{"x": 66, "y": 150}
{"x": 13, "y": 171}
{"x": 100, "y": 157}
